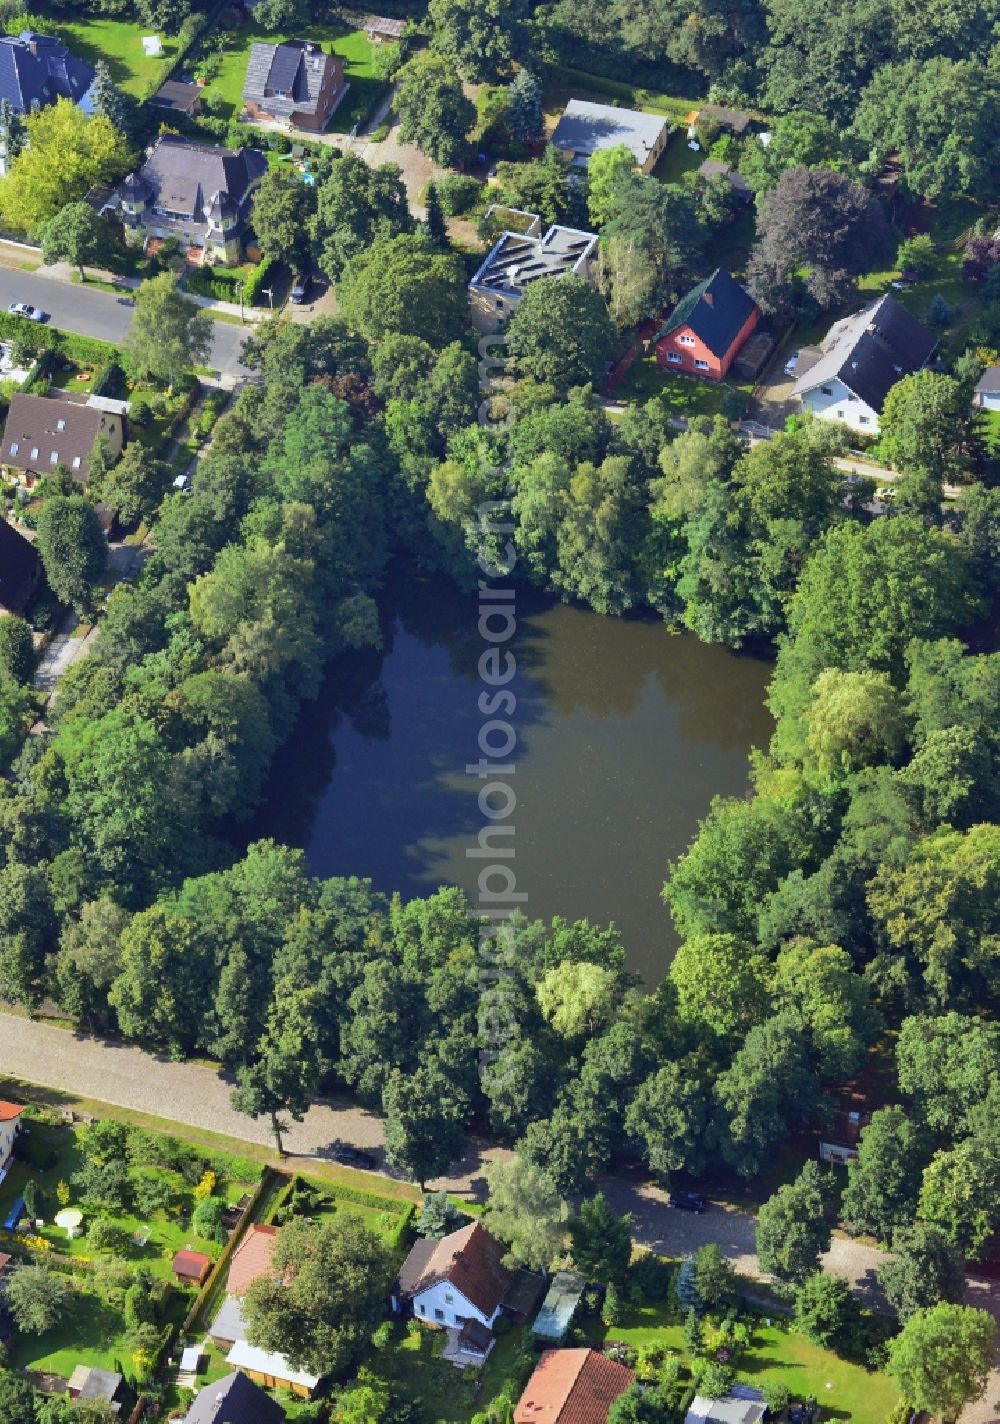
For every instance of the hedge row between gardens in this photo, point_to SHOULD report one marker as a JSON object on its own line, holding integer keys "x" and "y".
{"x": 33, "y": 336}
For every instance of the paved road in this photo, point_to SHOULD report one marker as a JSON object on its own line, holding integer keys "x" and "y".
{"x": 90, "y": 312}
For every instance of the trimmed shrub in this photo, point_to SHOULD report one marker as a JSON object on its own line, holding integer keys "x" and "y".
{"x": 458, "y": 193}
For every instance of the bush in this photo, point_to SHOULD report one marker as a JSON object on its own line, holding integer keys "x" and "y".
{"x": 458, "y": 193}
{"x": 257, "y": 281}
{"x": 109, "y": 380}
{"x": 106, "y": 1235}
{"x": 776, "y": 1396}
{"x": 207, "y": 1216}
{"x": 648, "y": 1279}
{"x": 716, "y": 1380}
{"x": 140, "y": 412}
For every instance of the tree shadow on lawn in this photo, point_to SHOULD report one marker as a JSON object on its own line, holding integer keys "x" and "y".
{"x": 86, "y": 1335}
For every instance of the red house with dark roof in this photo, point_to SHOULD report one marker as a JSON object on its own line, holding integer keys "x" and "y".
{"x": 704, "y": 332}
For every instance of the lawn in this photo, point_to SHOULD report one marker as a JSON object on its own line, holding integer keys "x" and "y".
{"x": 119, "y": 42}
{"x": 412, "y": 1362}
{"x": 777, "y": 1354}
{"x": 353, "y": 47}
{"x": 683, "y": 395}
{"x": 564, "y": 83}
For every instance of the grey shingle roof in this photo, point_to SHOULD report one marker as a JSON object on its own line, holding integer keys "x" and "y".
{"x": 989, "y": 381}
{"x": 187, "y": 177}
{"x": 18, "y": 568}
{"x": 585, "y": 128}
{"x": 38, "y": 68}
{"x": 870, "y": 351}
{"x": 285, "y": 77}
{"x": 234, "y": 1400}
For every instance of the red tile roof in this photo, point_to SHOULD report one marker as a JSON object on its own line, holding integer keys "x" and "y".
{"x": 251, "y": 1259}
{"x": 192, "y": 1265}
{"x": 9, "y": 1111}
{"x": 471, "y": 1260}
{"x": 572, "y": 1387}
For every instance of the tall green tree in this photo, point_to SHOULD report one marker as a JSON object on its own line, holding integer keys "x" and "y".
{"x": 423, "y": 1123}
{"x": 923, "y": 1270}
{"x": 404, "y": 285}
{"x": 74, "y": 553}
{"x": 942, "y": 1357}
{"x": 601, "y": 1241}
{"x": 432, "y": 109}
{"x": 524, "y": 1210}
{"x": 792, "y": 1229}
{"x": 281, "y": 211}
{"x": 357, "y": 205}
{"x": 75, "y": 234}
{"x": 169, "y": 333}
{"x": 884, "y": 1182}
{"x": 524, "y": 120}
{"x": 482, "y": 38}
{"x": 561, "y": 333}
{"x": 324, "y": 1295}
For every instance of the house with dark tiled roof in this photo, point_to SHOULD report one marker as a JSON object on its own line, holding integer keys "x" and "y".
{"x": 41, "y": 433}
{"x": 20, "y": 572}
{"x": 848, "y": 376}
{"x": 703, "y": 334}
{"x": 36, "y": 70}
{"x": 295, "y": 83}
{"x": 234, "y": 1399}
{"x": 198, "y": 193}
{"x": 178, "y": 97}
{"x": 458, "y": 1279}
{"x": 572, "y": 1387}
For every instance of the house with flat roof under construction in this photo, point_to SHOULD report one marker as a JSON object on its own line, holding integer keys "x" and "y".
{"x": 518, "y": 258}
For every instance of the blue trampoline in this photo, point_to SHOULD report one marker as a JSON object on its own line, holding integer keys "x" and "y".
{"x": 14, "y": 1215}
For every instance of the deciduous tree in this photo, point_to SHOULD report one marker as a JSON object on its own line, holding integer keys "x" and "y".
{"x": 942, "y": 1357}
{"x": 169, "y": 333}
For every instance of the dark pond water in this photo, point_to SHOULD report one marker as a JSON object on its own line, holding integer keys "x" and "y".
{"x": 625, "y": 733}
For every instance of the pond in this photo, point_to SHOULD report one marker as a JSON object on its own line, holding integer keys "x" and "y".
{"x": 624, "y": 735}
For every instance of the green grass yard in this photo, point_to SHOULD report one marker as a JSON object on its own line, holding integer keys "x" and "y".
{"x": 683, "y": 395}
{"x": 412, "y": 1363}
{"x": 777, "y": 1354}
{"x": 353, "y": 47}
{"x": 119, "y": 42}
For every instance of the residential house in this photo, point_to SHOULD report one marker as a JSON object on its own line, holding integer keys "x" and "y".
{"x": 734, "y": 121}
{"x": 198, "y": 193}
{"x": 36, "y": 70}
{"x": 88, "y": 1382}
{"x": 381, "y": 30}
{"x": 714, "y": 168}
{"x": 10, "y": 1113}
{"x": 848, "y": 377}
{"x": 517, "y": 259}
{"x": 839, "y": 1144}
{"x": 558, "y": 1307}
{"x": 585, "y": 129}
{"x": 178, "y": 97}
{"x": 742, "y": 1405}
{"x": 191, "y": 1267}
{"x": 459, "y": 1278}
{"x": 270, "y": 1370}
{"x": 704, "y": 332}
{"x": 572, "y": 1387}
{"x": 987, "y": 395}
{"x": 20, "y": 572}
{"x": 234, "y": 1399}
{"x": 295, "y": 83}
{"x": 41, "y": 433}
{"x": 252, "y": 1258}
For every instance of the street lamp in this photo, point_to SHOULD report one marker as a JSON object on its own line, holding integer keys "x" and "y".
{"x": 269, "y": 293}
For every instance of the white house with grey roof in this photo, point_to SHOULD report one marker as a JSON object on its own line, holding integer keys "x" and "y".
{"x": 517, "y": 259}
{"x": 847, "y": 378}
{"x": 586, "y": 128}
{"x": 195, "y": 192}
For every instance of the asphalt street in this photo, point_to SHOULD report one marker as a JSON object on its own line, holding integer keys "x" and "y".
{"x": 90, "y": 312}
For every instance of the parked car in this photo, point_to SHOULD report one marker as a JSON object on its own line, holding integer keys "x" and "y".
{"x": 300, "y": 286}
{"x": 688, "y": 1201}
{"x": 23, "y": 309}
{"x": 351, "y": 1157}
{"x": 791, "y": 363}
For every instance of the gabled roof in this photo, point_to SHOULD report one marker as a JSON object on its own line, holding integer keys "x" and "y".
{"x": 234, "y": 1399}
{"x": 381, "y": 25}
{"x": 742, "y": 1405}
{"x": 187, "y": 177}
{"x": 715, "y": 311}
{"x": 251, "y": 1259}
{"x": 870, "y": 351}
{"x": 176, "y": 95}
{"x": 190, "y": 1263}
{"x": 37, "y": 69}
{"x": 39, "y": 427}
{"x": 94, "y": 1383}
{"x": 989, "y": 381}
{"x": 572, "y": 1387}
{"x": 586, "y": 128}
{"x": 9, "y": 550}
{"x": 471, "y": 1260}
{"x": 287, "y": 77}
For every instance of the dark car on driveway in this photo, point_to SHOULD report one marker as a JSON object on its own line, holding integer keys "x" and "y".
{"x": 351, "y": 1157}
{"x": 688, "y": 1201}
